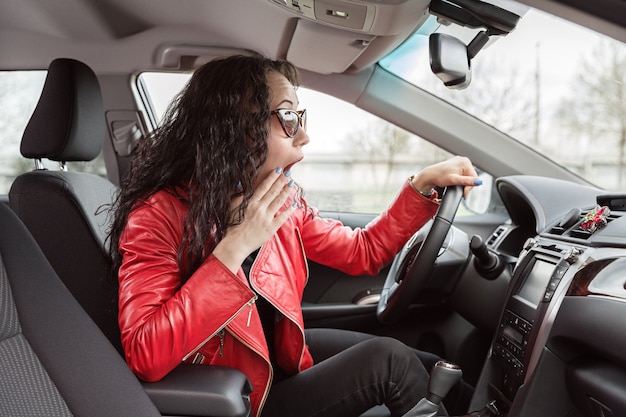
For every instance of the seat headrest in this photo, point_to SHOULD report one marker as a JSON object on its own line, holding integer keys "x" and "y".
{"x": 68, "y": 123}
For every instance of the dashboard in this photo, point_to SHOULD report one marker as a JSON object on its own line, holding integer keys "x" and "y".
{"x": 560, "y": 346}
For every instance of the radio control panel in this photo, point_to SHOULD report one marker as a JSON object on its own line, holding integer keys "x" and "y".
{"x": 512, "y": 341}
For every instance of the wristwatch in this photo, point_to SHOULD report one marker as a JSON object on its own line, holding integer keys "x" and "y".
{"x": 429, "y": 195}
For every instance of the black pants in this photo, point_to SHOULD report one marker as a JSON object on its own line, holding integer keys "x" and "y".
{"x": 353, "y": 372}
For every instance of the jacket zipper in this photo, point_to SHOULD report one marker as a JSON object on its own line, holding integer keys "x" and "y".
{"x": 221, "y": 334}
{"x": 220, "y": 330}
{"x": 305, "y": 282}
{"x": 264, "y": 398}
{"x": 306, "y": 264}
{"x": 269, "y": 382}
{"x": 278, "y": 309}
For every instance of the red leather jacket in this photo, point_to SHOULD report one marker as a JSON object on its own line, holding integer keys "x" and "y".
{"x": 212, "y": 317}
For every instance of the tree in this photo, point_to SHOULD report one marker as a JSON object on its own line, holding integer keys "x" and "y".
{"x": 595, "y": 113}
{"x": 380, "y": 143}
{"x": 19, "y": 92}
{"x": 498, "y": 94}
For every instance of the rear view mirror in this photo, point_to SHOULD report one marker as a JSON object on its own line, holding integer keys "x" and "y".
{"x": 449, "y": 60}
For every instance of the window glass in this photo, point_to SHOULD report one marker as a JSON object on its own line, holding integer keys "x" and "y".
{"x": 160, "y": 88}
{"x": 552, "y": 85}
{"x": 355, "y": 162}
{"x": 19, "y": 93}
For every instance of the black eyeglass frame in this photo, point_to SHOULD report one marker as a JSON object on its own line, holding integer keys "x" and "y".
{"x": 300, "y": 114}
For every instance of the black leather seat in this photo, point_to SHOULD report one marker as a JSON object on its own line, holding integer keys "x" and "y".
{"x": 66, "y": 213}
{"x": 54, "y": 361}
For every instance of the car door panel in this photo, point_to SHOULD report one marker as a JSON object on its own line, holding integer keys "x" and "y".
{"x": 335, "y": 299}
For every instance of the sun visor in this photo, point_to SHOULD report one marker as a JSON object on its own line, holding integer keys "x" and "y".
{"x": 309, "y": 47}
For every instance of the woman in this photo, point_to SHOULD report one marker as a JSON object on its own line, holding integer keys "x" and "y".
{"x": 211, "y": 239}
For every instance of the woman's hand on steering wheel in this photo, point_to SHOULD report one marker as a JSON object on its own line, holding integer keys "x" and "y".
{"x": 457, "y": 170}
{"x": 414, "y": 264}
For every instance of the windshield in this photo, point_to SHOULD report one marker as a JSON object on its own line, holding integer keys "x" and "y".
{"x": 554, "y": 86}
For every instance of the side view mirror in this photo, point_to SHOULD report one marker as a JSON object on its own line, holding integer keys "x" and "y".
{"x": 449, "y": 60}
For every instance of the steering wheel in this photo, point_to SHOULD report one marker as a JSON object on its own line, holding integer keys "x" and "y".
{"x": 414, "y": 264}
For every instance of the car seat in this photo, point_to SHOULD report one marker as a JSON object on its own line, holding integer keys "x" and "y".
{"x": 66, "y": 213}
{"x": 64, "y": 210}
{"x": 54, "y": 360}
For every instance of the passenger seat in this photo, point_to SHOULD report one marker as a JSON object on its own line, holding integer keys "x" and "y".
{"x": 54, "y": 360}
{"x": 66, "y": 211}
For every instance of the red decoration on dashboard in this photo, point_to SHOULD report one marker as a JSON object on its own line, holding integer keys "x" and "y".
{"x": 595, "y": 218}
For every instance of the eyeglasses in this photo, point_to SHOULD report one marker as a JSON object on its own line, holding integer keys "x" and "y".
{"x": 291, "y": 120}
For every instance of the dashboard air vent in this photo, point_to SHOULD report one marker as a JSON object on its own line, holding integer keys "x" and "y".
{"x": 495, "y": 235}
{"x": 584, "y": 223}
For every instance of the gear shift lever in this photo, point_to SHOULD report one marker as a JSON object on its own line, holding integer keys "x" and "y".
{"x": 442, "y": 377}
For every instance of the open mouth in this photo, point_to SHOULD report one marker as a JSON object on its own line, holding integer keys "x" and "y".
{"x": 288, "y": 167}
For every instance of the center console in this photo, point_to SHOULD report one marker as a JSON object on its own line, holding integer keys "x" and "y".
{"x": 542, "y": 266}
{"x": 536, "y": 278}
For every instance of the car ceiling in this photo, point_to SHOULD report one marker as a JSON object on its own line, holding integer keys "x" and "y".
{"x": 122, "y": 36}
{"x": 103, "y": 32}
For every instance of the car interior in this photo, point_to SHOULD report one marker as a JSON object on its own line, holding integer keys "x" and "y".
{"x": 55, "y": 360}
{"x": 527, "y": 296}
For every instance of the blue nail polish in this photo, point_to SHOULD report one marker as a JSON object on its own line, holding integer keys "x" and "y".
{"x": 294, "y": 204}
{"x": 287, "y": 173}
{"x": 478, "y": 181}
{"x": 291, "y": 182}
{"x": 279, "y": 170}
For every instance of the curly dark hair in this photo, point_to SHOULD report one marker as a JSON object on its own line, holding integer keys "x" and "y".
{"x": 210, "y": 146}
